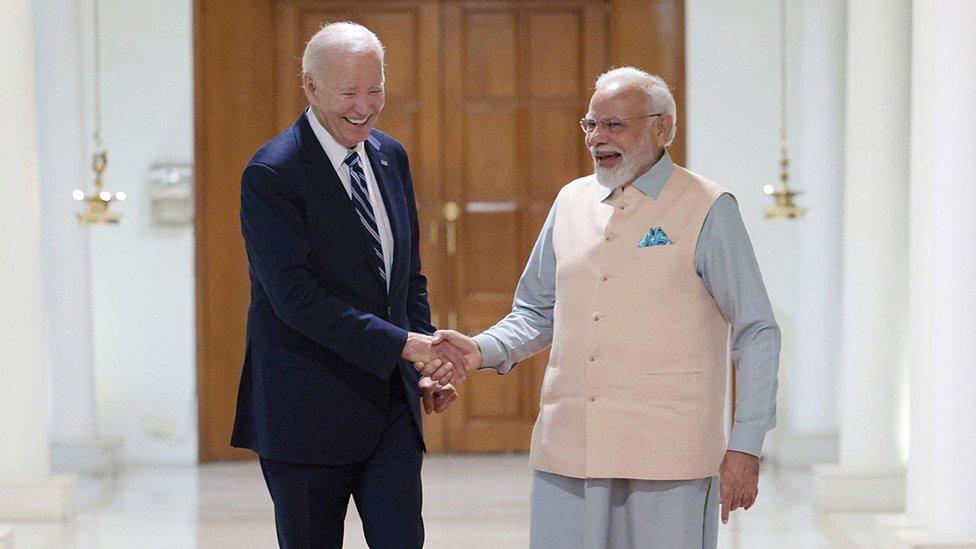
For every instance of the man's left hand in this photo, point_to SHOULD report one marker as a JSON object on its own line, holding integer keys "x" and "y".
{"x": 436, "y": 397}
{"x": 738, "y": 482}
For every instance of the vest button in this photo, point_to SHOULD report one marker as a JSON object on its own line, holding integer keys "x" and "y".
{"x": 604, "y": 278}
{"x": 592, "y": 399}
{"x": 592, "y": 358}
{"x": 596, "y": 317}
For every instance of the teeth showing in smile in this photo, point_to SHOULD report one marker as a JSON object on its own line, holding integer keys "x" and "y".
{"x": 359, "y": 122}
{"x": 606, "y": 156}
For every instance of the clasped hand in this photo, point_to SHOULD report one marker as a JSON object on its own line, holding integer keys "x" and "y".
{"x": 448, "y": 357}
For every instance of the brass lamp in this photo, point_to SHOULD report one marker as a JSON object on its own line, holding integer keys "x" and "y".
{"x": 99, "y": 200}
{"x": 783, "y": 205}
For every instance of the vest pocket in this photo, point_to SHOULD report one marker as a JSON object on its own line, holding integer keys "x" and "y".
{"x": 660, "y": 268}
{"x": 654, "y": 251}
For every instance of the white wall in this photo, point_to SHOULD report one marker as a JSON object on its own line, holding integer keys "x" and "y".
{"x": 733, "y": 120}
{"x": 64, "y": 167}
{"x": 142, "y": 276}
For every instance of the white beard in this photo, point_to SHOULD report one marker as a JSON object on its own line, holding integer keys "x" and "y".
{"x": 630, "y": 163}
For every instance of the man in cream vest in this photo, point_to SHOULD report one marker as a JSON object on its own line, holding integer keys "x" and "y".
{"x": 645, "y": 283}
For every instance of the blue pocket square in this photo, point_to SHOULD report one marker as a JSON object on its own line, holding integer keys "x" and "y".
{"x": 655, "y": 237}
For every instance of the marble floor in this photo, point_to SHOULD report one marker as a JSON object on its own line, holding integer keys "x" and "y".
{"x": 469, "y": 501}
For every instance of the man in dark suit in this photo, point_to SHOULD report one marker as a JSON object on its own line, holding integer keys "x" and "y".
{"x": 328, "y": 397}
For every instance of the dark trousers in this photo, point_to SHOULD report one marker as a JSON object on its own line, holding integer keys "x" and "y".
{"x": 310, "y": 501}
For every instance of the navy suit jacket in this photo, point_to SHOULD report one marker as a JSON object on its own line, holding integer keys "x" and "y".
{"x": 323, "y": 334}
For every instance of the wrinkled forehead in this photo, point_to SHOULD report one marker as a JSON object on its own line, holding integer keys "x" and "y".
{"x": 351, "y": 68}
{"x": 617, "y": 101}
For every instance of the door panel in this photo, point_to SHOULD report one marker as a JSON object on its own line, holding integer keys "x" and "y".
{"x": 516, "y": 87}
{"x": 229, "y": 126}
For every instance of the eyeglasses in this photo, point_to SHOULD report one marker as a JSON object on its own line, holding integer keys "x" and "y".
{"x": 613, "y": 125}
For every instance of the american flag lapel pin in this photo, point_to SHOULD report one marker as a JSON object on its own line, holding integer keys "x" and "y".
{"x": 384, "y": 162}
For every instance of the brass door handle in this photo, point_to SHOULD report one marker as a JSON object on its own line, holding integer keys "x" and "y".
{"x": 451, "y": 211}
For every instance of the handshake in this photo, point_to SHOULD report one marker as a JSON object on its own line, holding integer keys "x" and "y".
{"x": 445, "y": 358}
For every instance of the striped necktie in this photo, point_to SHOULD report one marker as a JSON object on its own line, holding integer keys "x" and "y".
{"x": 360, "y": 200}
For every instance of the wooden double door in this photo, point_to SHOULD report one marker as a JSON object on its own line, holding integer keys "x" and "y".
{"x": 485, "y": 97}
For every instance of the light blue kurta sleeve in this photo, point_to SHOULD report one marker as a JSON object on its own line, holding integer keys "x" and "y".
{"x": 528, "y": 328}
{"x": 726, "y": 263}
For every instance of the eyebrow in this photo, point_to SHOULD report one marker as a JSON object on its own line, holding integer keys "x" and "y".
{"x": 343, "y": 88}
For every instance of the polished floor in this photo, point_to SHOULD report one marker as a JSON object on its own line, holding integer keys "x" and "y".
{"x": 469, "y": 501}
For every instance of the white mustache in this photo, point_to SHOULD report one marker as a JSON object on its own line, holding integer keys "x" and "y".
{"x": 594, "y": 151}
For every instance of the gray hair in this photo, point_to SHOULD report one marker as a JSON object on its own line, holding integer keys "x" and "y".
{"x": 659, "y": 98}
{"x": 345, "y": 37}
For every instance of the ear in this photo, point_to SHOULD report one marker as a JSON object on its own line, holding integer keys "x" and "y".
{"x": 663, "y": 130}
{"x": 311, "y": 87}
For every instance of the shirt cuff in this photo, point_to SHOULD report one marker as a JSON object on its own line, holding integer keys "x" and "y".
{"x": 493, "y": 355}
{"x": 747, "y": 438}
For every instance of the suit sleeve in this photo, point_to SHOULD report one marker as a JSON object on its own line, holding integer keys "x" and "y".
{"x": 272, "y": 221}
{"x": 418, "y": 307}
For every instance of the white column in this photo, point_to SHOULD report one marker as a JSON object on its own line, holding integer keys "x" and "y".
{"x": 808, "y": 430}
{"x": 870, "y": 474}
{"x": 925, "y": 144}
{"x": 941, "y": 475}
{"x": 26, "y": 488}
{"x": 65, "y": 166}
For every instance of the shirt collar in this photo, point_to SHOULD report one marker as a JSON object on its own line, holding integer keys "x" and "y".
{"x": 651, "y": 182}
{"x": 336, "y": 151}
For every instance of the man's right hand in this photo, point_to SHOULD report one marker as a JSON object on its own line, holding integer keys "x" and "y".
{"x": 471, "y": 360}
{"x": 445, "y": 360}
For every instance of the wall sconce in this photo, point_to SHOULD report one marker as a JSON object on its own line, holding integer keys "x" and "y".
{"x": 171, "y": 194}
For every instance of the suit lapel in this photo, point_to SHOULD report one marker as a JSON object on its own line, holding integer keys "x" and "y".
{"x": 320, "y": 171}
{"x": 324, "y": 179}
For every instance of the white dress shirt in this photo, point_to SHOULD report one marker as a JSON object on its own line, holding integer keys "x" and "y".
{"x": 336, "y": 152}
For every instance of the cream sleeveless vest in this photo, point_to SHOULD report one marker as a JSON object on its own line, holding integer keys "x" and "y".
{"x": 636, "y": 381}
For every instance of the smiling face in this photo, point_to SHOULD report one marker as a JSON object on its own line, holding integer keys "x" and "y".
{"x": 348, "y": 96}
{"x": 618, "y": 158}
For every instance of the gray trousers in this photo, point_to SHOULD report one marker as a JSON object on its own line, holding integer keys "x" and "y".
{"x": 623, "y": 513}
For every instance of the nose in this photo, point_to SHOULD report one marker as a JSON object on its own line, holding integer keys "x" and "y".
{"x": 361, "y": 105}
{"x": 597, "y": 138}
